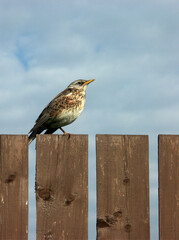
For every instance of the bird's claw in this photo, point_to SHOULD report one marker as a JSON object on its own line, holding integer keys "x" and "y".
{"x": 67, "y": 134}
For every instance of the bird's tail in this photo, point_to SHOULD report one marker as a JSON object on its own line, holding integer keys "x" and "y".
{"x": 33, "y": 132}
{"x": 31, "y": 137}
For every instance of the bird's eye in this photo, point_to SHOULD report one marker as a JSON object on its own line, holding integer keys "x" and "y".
{"x": 80, "y": 83}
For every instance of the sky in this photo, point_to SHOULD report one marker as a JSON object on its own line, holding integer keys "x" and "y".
{"x": 131, "y": 48}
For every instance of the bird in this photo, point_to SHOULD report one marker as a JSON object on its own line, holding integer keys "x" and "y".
{"x": 64, "y": 109}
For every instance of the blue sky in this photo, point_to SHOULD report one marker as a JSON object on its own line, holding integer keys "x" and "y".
{"x": 131, "y": 49}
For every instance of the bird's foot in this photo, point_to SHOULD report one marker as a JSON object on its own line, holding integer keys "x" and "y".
{"x": 67, "y": 134}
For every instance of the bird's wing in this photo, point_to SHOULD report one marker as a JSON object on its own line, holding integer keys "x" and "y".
{"x": 51, "y": 109}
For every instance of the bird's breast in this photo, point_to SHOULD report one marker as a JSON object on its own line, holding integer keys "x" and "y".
{"x": 66, "y": 112}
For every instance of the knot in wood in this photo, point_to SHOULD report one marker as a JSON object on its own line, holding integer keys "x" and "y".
{"x": 126, "y": 180}
{"x": 70, "y": 199}
{"x": 48, "y": 235}
{"x": 128, "y": 227}
{"x": 10, "y": 178}
{"x": 45, "y": 194}
{"x": 117, "y": 214}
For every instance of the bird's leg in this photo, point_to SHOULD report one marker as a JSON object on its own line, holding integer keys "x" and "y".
{"x": 65, "y": 133}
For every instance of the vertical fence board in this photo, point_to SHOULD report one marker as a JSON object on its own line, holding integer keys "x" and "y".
{"x": 168, "y": 187}
{"x": 62, "y": 187}
{"x": 13, "y": 187}
{"x": 122, "y": 187}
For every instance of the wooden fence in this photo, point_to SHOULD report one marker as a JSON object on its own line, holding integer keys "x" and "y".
{"x": 62, "y": 187}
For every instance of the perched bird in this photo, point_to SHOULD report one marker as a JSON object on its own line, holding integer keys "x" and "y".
{"x": 62, "y": 110}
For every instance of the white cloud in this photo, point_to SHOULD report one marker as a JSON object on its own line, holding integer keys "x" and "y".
{"x": 131, "y": 48}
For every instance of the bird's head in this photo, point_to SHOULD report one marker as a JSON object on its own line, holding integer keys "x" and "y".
{"x": 80, "y": 84}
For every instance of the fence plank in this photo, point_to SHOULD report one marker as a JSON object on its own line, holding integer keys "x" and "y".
{"x": 122, "y": 187}
{"x": 13, "y": 187}
{"x": 168, "y": 187}
{"x": 62, "y": 187}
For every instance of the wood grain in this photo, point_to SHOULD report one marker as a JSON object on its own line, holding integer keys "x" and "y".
{"x": 168, "y": 187}
{"x": 13, "y": 187}
{"x": 62, "y": 187}
{"x": 122, "y": 187}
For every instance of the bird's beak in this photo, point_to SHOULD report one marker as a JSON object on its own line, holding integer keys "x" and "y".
{"x": 89, "y": 81}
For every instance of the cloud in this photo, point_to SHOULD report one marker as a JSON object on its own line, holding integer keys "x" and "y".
{"x": 131, "y": 48}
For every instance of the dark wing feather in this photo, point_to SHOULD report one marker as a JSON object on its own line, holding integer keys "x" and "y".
{"x": 46, "y": 114}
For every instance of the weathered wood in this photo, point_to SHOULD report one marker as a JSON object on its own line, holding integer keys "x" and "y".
{"x": 168, "y": 187}
{"x": 122, "y": 187}
{"x": 13, "y": 187}
{"x": 62, "y": 187}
